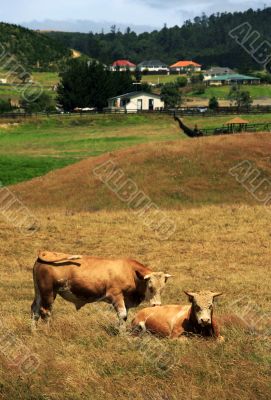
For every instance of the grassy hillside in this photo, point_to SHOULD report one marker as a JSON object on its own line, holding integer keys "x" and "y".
{"x": 30, "y": 47}
{"x": 173, "y": 175}
{"x": 33, "y": 147}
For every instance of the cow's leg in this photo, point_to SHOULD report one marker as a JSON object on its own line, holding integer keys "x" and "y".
{"x": 47, "y": 306}
{"x": 35, "y": 312}
{"x": 118, "y": 302}
{"x": 35, "y": 307}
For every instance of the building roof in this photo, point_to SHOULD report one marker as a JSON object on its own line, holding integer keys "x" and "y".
{"x": 123, "y": 63}
{"x": 134, "y": 94}
{"x": 220, "y": 71}
{"x": 234, "y": 77}
{"x": 152, "y": 63}
{"x": 184, "y": 64}
{"x": 237, "y": 121}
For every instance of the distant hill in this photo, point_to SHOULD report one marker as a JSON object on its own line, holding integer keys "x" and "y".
{"x": 205, "y": 40}
{"x": 32, "y": 48}
{"x": 83, "y": 26}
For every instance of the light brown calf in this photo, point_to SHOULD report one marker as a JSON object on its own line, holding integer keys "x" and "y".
{"x": 173, "y": 321}
{"x": 123, "y": 283}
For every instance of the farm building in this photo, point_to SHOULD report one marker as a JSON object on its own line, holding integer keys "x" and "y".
{"x": 184, "y": 67}
{"x": 153, "y": 67}
{"x": 230, "y": 79}
{"x": 136, "y": 101}
{"x": 123, "y": 65}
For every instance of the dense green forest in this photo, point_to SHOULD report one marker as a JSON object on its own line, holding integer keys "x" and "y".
{"x": 205, "y": 40}
{"x": 31, "y": 48}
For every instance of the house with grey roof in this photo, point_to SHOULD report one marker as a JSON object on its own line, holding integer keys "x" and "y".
{"x": 217, "y": 71}
{"x": 153, "y": 67}
{"x": 230, "y": 79}
{"x": 135, "y": 102}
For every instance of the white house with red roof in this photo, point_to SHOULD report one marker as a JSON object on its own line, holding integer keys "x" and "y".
{"x": 185, "y": 67}
{"x": 123, "y": 65}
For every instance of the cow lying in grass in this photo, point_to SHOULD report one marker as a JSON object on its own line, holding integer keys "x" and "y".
{"x": 174, "y": 321}
{"x": 123, "y": 283}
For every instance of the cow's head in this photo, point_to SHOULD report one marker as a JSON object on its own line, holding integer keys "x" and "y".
{"x": 155, "y": 284}
{"x": 202, "y": 306}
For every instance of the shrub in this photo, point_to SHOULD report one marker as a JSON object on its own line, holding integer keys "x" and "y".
{"x": 213, "y": 103}
{"x": 199, "y": 88}
{"x": 5, "y": 106}
{"x": 181, "y": 81}
{"x": 44, "y": 103}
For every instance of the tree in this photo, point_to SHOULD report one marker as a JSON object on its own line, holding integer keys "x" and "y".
{"x": 5, "y": 106}
{"x": 85, "y": 84}
{"x": 171, "y": 95}
{"x": 138, "y": 75}
{"x": 181, "y": 81}
{"x": 34, "y": 104}
{"x": 213, "y": 103}
{"x": 240, "y": 98}
{"x": 206, "y": 38}
{"x": 197, "y": 78}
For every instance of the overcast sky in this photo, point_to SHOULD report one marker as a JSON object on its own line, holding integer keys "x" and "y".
{"x": 150, "y": 12}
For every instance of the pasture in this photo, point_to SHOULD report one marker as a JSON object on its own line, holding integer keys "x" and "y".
{"x": 33, "y": 147}
{"x": 221, "y": 243}
{"x": 257, "y": 92}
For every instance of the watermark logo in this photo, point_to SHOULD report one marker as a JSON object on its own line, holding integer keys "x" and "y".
{"x": 253, "y": 182}
{"x": 16, "y": 213}
{"x": 253, "y": 43}
{"x": 29, "y": 90}
{"x": 16, "y": 353}
{"x": 128, "y": 192}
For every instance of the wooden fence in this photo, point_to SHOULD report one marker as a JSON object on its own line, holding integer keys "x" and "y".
{"x": 182, "y": 112}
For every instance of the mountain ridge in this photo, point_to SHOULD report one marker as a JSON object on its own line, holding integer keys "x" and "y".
{"x": 205, "y": 40}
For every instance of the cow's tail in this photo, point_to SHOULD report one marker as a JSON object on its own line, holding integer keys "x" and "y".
{"x": 36, "y": 305}
{"x": 57, "y": 258}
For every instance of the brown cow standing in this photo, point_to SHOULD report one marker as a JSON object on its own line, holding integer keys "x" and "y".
{"x": 123, "y": 283}
{"x": 175, "y": 320}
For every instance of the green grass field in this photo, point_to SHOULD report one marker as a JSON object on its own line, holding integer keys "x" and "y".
{"x": 46, "y": 78}
{"x": 159, "y": 78}
{"x": 257, "y": 92}
{"x": 39, "y": 145}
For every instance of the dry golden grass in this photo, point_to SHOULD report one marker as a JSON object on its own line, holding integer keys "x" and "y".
{"x": 223, "y": 248}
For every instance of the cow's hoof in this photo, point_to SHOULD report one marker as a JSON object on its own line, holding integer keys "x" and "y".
{"x": 183, "y": 339}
